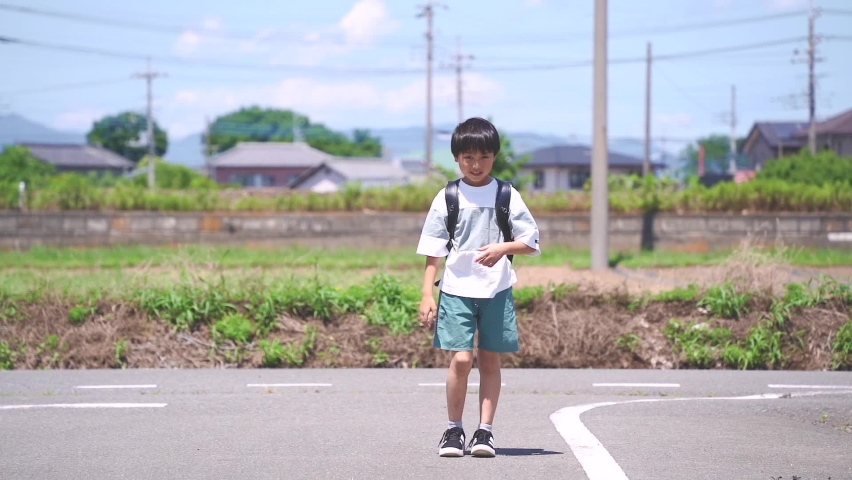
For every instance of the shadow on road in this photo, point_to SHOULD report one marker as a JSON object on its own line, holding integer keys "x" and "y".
{"x": 524, "y": 452}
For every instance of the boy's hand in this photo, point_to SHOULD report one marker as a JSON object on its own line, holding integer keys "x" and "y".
{"x": 490, "y": 254}
{"x": 428, "y": 310}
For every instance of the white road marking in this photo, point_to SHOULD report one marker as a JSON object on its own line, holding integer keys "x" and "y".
{"x": 650, "y": 385}
{"x": 840, "y": 237}
{"x": 97, "y": 387}
{"x": 270, "y": 385}
{"x": 593, "y": 457}
{"x": 444, "y": 384}
{"x": 83, "y": 405}
{"x": 814, "y": 387}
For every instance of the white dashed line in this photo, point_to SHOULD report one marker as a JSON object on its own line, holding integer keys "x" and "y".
{"x": 83, "y": 405}
{"x": 444, "y": 384}
{"x": 650, "y": 385}
{"x": 814, "y": 387}
{"x": 271, "y": 385}
{"x": 105, "y": 387}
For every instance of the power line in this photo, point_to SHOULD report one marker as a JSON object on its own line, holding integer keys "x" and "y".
{"x": 388, "y": 71}
{"x": 644, "y": 31}
{"x": 836, "y": 11}
{"x": 68, "y": 86}
{"x": 189, "y": 62}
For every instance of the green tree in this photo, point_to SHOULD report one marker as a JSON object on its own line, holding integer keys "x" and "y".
{"x": 17, "y": 164}
{"x": 171, "y": 176}
{"x": 824, "y": 168}
{"x": 254, "y": 124}
{"x": 717, "y": 149}
{"x": 121, "y": 133}
{"x": 507, "y": 166}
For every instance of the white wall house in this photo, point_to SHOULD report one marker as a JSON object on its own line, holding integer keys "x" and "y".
{"x": 567, "y": 167}
{"x": 332, "y": 175}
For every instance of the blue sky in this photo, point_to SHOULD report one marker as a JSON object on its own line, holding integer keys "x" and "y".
{"x": 306, "y": 55}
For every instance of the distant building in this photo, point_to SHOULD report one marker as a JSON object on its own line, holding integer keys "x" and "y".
{"x": 80, "y": 158}
{"x": 332, "y": 175}
{"x": 770, "y": 140}
{"x": 833, "y": 134}
{"x": 567, "y": 167}
{"x": 266, "y": 164}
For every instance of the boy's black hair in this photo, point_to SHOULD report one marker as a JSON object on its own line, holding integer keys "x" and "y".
{"x": 475, "y": 135}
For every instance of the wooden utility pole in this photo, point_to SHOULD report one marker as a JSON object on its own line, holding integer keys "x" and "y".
{"x": 149, "y": 77}
{"x": 732, "y": 163}
{"x": 428, "y": 11}
{"x": 811, "y": 78}
{"x": 646, "y": 163}
{"x": 600, "y": 164}
{"x": 460, "y": 65}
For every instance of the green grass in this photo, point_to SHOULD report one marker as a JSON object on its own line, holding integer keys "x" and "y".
{"x": 298, "y": 256}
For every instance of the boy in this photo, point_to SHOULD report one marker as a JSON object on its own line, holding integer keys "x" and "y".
{"x": 476, "y": 287}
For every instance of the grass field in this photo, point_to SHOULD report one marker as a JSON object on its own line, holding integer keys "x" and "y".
{"x": 343, "y": 258}
{"x": 115, "y": 271}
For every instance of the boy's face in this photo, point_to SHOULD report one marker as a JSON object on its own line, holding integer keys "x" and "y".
{"x": 476, "y": 166}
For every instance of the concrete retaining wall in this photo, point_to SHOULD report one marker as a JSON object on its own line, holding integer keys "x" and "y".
{"x": 688, "y": 232}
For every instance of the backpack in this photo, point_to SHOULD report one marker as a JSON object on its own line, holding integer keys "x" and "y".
{"x": 501, "y": 208}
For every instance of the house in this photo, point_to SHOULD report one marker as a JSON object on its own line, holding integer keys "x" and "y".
{"x": 266, "y": 164}
{"x": 80, "y": 158}
{"x": 770, "y": 140}
{"x": 331, "y": 175}
{"x": 833, "y": 134}
{"x": 567, "y": 167}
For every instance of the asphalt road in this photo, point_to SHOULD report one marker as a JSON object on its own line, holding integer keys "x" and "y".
{"x": 330, "y": 424}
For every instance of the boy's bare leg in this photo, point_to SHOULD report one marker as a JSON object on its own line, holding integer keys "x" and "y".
{"x": 489, "y": 384}
{"x": 457, "y": 384}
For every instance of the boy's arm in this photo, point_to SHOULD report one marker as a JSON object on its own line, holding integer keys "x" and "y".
{"x": 428, "y": 308}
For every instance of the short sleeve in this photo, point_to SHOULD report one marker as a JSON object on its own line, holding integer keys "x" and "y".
{"x": 434, "y": 236}
{"x": 524, "y": 228}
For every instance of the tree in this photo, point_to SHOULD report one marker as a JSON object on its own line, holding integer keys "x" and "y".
{"x": 17, "y": 164}
{"x": 254, "y": 124}
{"x": 717, "y": 149}
{"x": 121, "y": 133}
{"x": 506, "y": 166}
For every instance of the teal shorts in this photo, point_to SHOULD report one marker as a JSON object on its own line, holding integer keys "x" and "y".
{"x": 459, "y": 318}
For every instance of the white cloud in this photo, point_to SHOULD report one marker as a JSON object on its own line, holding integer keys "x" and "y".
{"x": 212, "y": 24}
{"x": 188, "y": 97}
{"x": 674, "y": 119}
{"x": 78, "y": 121}
{"x": 533, "y": 3}
{"x": 327, "y": 101}
{"x": 187, "y": 43}
{"x": 367, "y": 20}
{"x": 784, "y": 4}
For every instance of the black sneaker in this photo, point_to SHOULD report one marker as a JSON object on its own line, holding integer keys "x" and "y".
{"x": 482, "y": 444}
{"x": 452, "y": 443}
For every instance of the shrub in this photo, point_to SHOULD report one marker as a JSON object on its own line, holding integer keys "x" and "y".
{"x": 235, "y": 327}
{"x": 724, "y": 301}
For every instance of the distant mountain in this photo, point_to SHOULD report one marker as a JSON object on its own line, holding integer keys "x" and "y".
{"x": 186, "y": 151}
{"x": 404, "y": 142}
{"x": 17, "y": 129}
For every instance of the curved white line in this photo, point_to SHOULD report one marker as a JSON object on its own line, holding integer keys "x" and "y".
{"x": 593, "y": 457}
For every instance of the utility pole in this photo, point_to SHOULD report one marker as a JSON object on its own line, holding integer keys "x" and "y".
{"x": 149, "y": 77}
{"x": 460, "y": 58}
{"x": 812, "y": 14}
{"x": 428, "y": 11}
{"x": 646, "y": 164}
{"x": 600, "y": 202}
{"x": 732, "y": 163}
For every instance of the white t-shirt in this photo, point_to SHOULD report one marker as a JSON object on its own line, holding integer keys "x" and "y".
{"x": 476, "y": 227}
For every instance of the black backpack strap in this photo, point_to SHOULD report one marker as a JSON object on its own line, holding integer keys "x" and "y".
{"x": 501, "y": 208}
{"x": 451, "y": 196}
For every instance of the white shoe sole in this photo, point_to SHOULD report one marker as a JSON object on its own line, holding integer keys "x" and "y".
{"x": 482, "y": 451}
{"x": 451, "y": 452}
